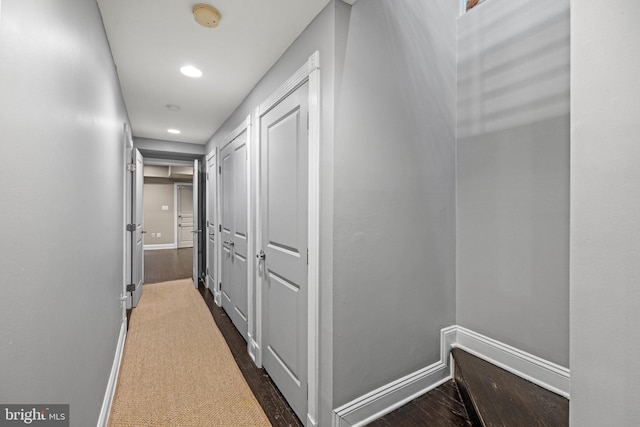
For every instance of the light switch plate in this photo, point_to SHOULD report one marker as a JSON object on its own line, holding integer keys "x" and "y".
{"x": 165, "y": 207}
{"x": 159, "y": 234}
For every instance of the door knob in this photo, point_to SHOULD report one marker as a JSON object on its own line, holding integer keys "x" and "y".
{"x": 261, "y": 255}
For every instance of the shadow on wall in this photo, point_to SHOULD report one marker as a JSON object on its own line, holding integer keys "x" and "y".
{"x": 513, "y": 70}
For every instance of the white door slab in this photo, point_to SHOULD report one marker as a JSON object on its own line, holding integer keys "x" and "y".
{"x": 234, "y": 187}
{"x": 137, "y": 219}
{"x": 196, "y": 223}
{"x": 212, "y": 220}
{"x": 284, "y": 145}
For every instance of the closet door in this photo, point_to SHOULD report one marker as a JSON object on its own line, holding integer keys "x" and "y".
{"x": 284, "y": 144}
{"x": 234, "y": 199}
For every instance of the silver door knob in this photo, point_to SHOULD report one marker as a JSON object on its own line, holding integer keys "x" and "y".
{"x": 261, "y": 255}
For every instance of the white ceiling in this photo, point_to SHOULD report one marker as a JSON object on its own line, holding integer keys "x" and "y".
{"x": 151, "y": 39}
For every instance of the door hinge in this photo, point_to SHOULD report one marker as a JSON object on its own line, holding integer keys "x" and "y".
{"x": 131, "y": 227}
{"x": 220, "y": 228}
{"x": 131, "y": 167}
{"x": 207, "y": 271}
{"x": 219, "y": 169}
{"x": 207, "y": 176}
{"x": 131, "y": 287}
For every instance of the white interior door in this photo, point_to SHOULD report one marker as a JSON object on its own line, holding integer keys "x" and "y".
{"x": 212, "y": 251}
{"x": 185, "y": 215}
{"x": 137, "y": 221}
{"x": 234, "y": 231}
{"x": 196, "y": 224}
{"x": 284, "y": 235}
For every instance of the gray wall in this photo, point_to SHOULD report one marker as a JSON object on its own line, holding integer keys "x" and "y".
{"x": 319, "y": 35}
{"x": 513, "y": 175}
{"x": 61, "y": 115}
{"x": 605, "y": 213}
{"x": 394, "y": 225}
{"x": 158, "y": 192}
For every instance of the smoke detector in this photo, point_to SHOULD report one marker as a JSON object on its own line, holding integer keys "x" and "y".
{"x": 206, "y": 15}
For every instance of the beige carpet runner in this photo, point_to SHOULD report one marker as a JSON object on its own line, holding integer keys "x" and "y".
{"x": 177, "y": 369}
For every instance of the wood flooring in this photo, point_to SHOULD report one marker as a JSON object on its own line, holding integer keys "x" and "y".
{"x": 503, "y": 399}
{"x": 166, "y": 265}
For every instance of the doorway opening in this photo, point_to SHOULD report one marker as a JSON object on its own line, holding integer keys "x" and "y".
{"x": 165, "y": 205}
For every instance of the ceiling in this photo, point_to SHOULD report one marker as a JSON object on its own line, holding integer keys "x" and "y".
{"x": 151, "y": 39}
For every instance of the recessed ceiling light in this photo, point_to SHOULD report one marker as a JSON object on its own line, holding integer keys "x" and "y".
{"x": 173, "y": 107}
{"x": 191, "y": 71}
{"x": 174, "y": 131}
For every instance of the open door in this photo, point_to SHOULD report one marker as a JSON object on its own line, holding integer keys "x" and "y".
{"x": 196, "y": 224}
{"x": 212, "y": 218}
{"x": 137, "y": 228}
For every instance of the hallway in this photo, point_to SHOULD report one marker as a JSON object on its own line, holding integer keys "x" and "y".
{"x": 472, "y": 179}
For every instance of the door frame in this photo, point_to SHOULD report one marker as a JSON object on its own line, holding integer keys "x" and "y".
{"x": 175, "y": 209}
{"x": 309, "y": 71}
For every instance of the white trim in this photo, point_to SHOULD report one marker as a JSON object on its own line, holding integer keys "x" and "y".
{"x": 113, "y": 377}
{"x": 217, "y": 296}
{"x": 389, "y": 397}
{"x": 256, "y": 340}
{"x": 251, "y": 242}
{"x": 298, "y": 78}
{"x": 539, "y": 371}
{"x": 309, "y": 71}
{"x": 160, "y": 246}
{"x": 313, "y": 313}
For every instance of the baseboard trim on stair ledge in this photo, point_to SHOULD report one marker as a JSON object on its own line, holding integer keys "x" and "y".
{"x": 532, "y": 368}
{"x": 113, "y": 378}
{"x": 389, "y": 397}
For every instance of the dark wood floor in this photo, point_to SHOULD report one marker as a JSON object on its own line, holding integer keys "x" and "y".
{"x": 504, "y": 399}
{"x": 167, "y": 264}
{"x": 441, "y": 407}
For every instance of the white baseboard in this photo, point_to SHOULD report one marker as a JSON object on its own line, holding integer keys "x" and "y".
{"x": 113, "y": 378}
{"x": 387, "y": 398}
{"x": 311, "y": 422}
{"x": 161, "y": 246}
{"x": 539, "y": 371}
